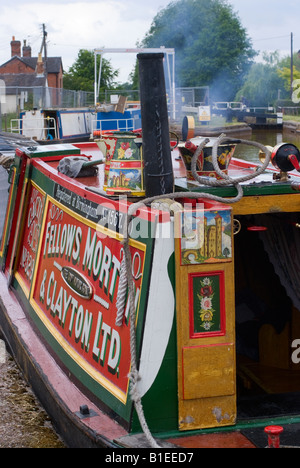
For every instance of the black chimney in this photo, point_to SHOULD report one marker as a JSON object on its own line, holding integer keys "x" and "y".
{"x": 158, "y": 172}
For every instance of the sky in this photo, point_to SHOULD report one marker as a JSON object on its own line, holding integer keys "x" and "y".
{"x": 73, "y": 25}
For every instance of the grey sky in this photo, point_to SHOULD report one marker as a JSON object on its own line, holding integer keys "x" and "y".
{"x": 89, "y": 24}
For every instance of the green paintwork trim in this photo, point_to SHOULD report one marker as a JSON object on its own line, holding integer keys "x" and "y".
{"x": 42, "y": 151}
{"x": 9, "y": 216}
{"x": 42, "y": 180}
{"x": 241, "y": 425}
{"x": 160, "y": 403}
{"x": 181, "y": 185}
{"x": 10, "y": 209}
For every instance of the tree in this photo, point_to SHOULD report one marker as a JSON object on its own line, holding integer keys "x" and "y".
{"x": 211, "y": 47}
{"x": 284, "y": 72}
{"x": 134, "y": 77}
{"x": 81, "y": 74}
{"x": 263, "y": 83}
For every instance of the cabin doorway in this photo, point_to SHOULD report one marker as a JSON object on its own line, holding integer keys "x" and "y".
{"x": 51, "y": 125}
{"x": 267, "y": 315}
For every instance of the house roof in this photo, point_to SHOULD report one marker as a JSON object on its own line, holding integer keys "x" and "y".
{"x": 54, "y": 64}
{"x": 26, "y": 80}
{"x": 21, "y": 80}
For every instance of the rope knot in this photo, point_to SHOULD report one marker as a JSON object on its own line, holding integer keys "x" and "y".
{"x": 121, "y": 295}
{"x": 134, "y": 377}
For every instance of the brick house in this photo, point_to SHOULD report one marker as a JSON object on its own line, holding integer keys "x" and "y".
{"x": 24, "y": 71}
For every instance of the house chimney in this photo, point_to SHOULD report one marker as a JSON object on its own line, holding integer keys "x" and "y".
{"x": 39, "y": 65}
{"x": 15, "y": 47}
{"x": 26, "y": 50}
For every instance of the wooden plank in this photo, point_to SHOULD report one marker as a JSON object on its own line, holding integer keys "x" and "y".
{"x": 201, "y": 379}
{"x": 289, "y": 203}
{"x": 120, "y": 107}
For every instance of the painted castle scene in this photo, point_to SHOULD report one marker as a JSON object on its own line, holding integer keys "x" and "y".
{"x": 130, "y": 179}
{"x": 206, "y": 236}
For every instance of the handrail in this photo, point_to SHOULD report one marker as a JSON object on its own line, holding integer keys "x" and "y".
{"x": 43, "y": 125}
{"x": 127, "y": 125}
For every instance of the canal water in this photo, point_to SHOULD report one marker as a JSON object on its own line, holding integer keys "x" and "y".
{"x": 23, "y": 422}
{"x": 266, "y": 137}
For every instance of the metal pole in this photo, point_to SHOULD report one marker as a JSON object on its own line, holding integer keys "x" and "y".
{"x": 173, "y": 88}
{"x": 95, "y": 79}
{"x": 292, "y": 64}
{"x": 99, "y": 77}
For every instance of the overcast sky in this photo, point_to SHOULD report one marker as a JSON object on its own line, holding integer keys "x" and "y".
{"x": 72, "y": 25}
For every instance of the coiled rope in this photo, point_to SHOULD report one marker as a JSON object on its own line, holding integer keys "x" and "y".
{"x": 6, "y": 161}
{"x": 126, "y": 279}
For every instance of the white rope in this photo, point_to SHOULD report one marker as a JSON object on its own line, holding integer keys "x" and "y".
{"x": 6, "y": 161}
{"x": 126, "y": 262}
{"x": 121, "y": 296}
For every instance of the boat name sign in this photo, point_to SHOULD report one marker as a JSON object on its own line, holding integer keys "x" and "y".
{"x": 69, "y": 269}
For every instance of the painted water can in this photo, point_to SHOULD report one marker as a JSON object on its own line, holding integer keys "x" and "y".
{"x": 204, "y": 165}
{"x": 124, "y": 164}
{"x": 107, "y": 145}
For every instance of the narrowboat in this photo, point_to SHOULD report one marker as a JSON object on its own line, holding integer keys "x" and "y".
{"x": 150, "y": 295}
{"x": 55, "y": 125}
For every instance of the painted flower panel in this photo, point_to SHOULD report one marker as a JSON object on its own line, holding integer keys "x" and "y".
{"x": 206, "y": 294}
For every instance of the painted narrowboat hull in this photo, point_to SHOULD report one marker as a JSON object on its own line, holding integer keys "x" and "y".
{"x": 61, "y": 255}
{"x": 48, "y": 126}
{"x": 56, "y": 125}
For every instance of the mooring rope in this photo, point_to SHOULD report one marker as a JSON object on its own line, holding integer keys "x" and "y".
{"x": 6, "y": 161}
{"x": 122, "y": 290}
{"x": 126, "y": 280}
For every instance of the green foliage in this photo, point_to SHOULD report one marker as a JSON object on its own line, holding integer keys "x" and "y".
{"x": 286, "y": 61}
{"x": 211, "y": 47}
{"x": 81, "y": 74}
{"x": 262, "y": 85}
{"x": 285, "y": 74}
{"x": 134, "y": 77}
{"x": 269, "y": 80}
{"x": 284, "y": 71}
